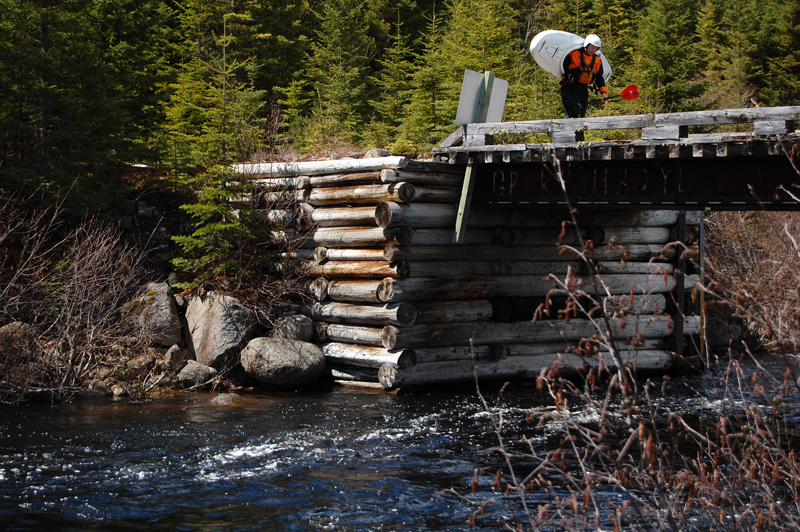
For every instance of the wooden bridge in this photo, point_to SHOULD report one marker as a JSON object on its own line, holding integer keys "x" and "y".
{"x": 397, "y": 302}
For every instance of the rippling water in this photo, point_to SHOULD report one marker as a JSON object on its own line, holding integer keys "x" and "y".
{"x": 346, "y": 460}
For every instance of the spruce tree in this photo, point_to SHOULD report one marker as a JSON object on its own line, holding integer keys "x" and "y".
{"x": 671, "y": 59}
{"x": 213, "y": 121}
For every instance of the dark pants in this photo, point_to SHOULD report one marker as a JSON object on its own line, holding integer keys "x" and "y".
{"x": 575, "y": 97}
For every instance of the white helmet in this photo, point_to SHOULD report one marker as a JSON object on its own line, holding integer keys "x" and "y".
{"x": 592, "y": 39}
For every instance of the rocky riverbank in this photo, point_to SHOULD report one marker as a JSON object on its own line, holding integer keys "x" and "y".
{"x": 205, "y": 341}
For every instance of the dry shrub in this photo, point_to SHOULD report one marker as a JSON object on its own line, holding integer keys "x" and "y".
{"x": 67, "y": 285}
{"x": 753, "y": 261}
{"x": 631, "y": 455}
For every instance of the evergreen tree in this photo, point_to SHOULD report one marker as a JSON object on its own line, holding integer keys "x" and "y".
{"x": 721, "y": 30}
{"x": 424, "y": 120}
{"x": 774, "y": 58}
{"x": 80, "y": 79}
{"x": 671, "y": 60}
{"x": 330, "y": 102}
{"x": 393, "y": 84}
{"x": 213, "y": 121}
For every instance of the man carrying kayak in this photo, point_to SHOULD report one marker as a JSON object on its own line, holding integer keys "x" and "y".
{"x": 581, "y": 69}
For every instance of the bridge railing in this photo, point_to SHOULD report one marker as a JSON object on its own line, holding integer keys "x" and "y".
{"x": 666, "y": 127}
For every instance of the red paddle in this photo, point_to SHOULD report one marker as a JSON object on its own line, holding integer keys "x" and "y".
{"x": 631, "y": 92}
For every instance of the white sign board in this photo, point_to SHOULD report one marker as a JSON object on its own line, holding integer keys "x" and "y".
{"x": 472, "y": 90}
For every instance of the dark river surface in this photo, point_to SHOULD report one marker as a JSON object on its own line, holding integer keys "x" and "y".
{"x": 345, "y": 459}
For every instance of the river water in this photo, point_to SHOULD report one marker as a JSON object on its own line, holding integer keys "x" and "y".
{"x": 345, "y": 460}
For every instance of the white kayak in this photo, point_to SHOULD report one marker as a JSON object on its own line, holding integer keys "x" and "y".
{"x": 550, "y": 47}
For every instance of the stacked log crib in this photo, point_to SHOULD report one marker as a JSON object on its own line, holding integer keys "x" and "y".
{"x": 397, "y": 302}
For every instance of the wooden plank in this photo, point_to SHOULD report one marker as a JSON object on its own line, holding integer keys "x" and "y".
{"x": 400, "y": 314}
{"x": 464, "y": 203}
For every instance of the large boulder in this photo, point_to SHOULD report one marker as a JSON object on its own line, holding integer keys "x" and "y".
{"x": 219, "y": 326}
{"x": 283, "y": 363}
{"x": 154, "y": 312}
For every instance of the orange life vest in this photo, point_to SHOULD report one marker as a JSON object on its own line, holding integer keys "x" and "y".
{"x": 587, "y": 71}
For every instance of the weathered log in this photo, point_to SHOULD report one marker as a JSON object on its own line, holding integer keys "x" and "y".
{"x": 352, "y": 334}
{"x": 469, "y": 310}
{"x": 401, "y": 314}
{"x": 509, "y": 368}
{"x": 456, "y": 268}
{"x": 431, "y": 288}
{"x": 343, "y": 216}
{"x": 370, "y": 357}
{"x": 455, "y": 334}
{"x": 322, "y": 253}
{"x": 421, "y": 215}
{"x": 416, "y": 215}
{"x": 352, "y": 269}
{"x": 333, "y": 180}
{"x": 361, "y": 236}
{"x": 582, "y": 268}
{"x": 423, "y": 178}
{"x": 532, "y": 253}
{"x": 282, "y": 183}
{"x": 283, "y": 217}
{"x": 435, "y": 194}
{"x": 361, "y": 194}
{"x": 344, "y": 372}
{"x": 587, "y": 350}
{"x": 354, "y": 291}
{"x": 318, "y": 288}
{"x": 319, "y": 167}
{"x": 599, "y": 236}
{"x": 476, "y": 237}
{"x": 283, "y": 198}
{"x": 465, "y": 354}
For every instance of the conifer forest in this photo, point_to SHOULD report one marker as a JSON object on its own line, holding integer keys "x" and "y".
{"x": 90, "y": 85}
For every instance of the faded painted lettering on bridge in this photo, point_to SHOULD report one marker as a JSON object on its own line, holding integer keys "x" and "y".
{"x": 668, "y": 182}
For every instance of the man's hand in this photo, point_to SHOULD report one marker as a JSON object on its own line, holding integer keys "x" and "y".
{"x": 605, "y": 96}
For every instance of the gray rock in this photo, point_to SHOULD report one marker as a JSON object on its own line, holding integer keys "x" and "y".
{"x": 173, "y": 359}
{"x": 219, "y": 326}
{"x": 139, "y": 366}
{"x": 377, "y": 152}
{"x": 195, "y": 374}
{"x": 294, "y": 327}
{"x": 718, "y": 333}
{"x": 227, "y": 399}
{"x": 283, "y": 363}
{"x": 15, "y": 332}
{"x": 155, "y": 312}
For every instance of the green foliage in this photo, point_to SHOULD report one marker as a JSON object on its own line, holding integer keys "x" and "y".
{"x": 213, "y": 121}
{"x": 671, "y": 58}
